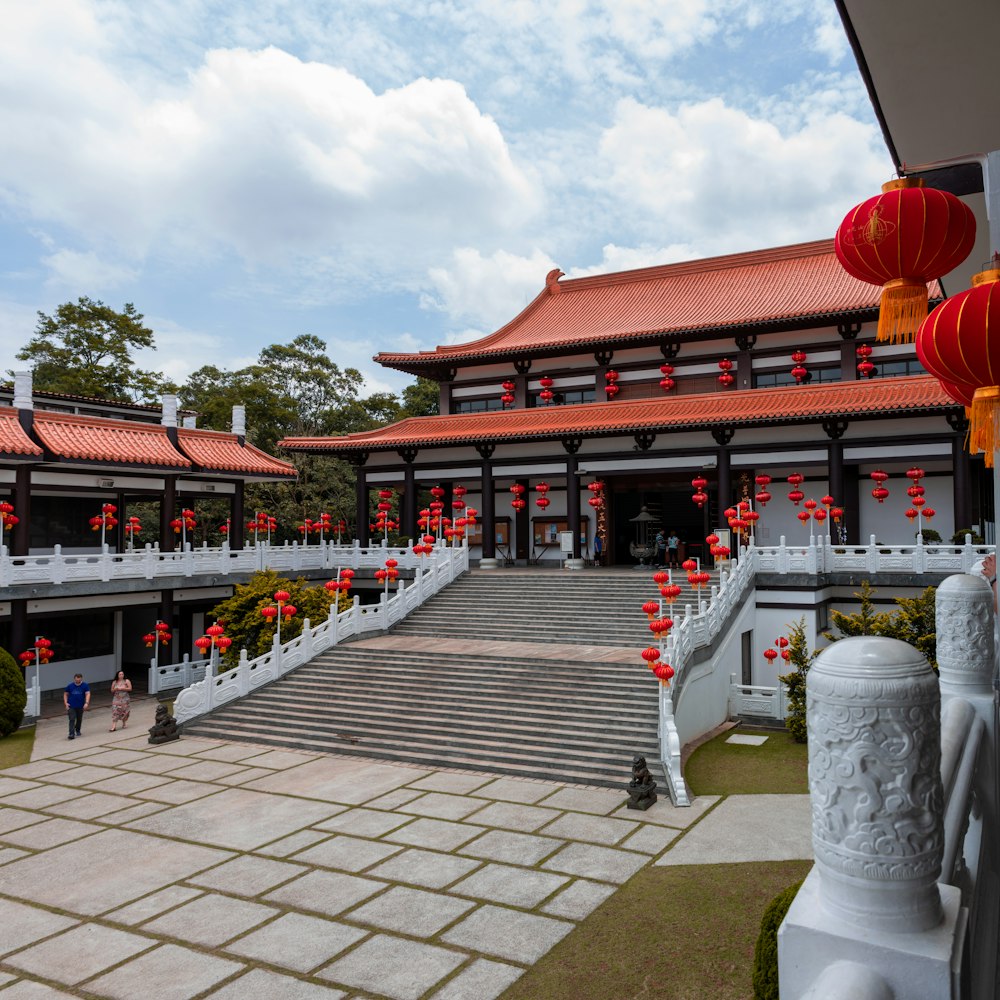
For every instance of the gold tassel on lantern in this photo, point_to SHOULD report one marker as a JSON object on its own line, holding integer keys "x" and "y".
{"x": 984, "y": 426}
{"x": 903, "y": 307}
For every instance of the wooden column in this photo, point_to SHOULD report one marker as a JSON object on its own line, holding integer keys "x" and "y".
{"x": 168, "y": 509}
{"x": 961, "y": 495}
{"x": 852, "y": 508}
{"x": 361, "y": 504}
{"x": 573, "y": 502}
{"x": 522, "y": 526}
{"x": 408, "y": 515}
{"x": 488, "y": 503}
{"x": 835, "y": 471}
{"x": 21, "y": 499}
{"x": 237, "y": 516}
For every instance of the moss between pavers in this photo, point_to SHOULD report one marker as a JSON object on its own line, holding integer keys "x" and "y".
{"x": 778, "y": 766}
{"x": 671, "y": 933}
{"x": 16, "y": 748}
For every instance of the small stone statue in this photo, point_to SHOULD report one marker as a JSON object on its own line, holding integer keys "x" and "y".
{"x": 164, "y": 729}
{"x": 642, "y": 788}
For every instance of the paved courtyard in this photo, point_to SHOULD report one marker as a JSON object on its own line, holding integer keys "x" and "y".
{"x": 225, "y": 870}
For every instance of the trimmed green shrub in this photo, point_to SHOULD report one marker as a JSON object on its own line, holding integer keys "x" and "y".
{"x": 931, "y": 536}
{"x": 959, "y": 537}
{"x": 765, "y": 953}
{"x": 13, "y": 694}
{"x": 800, "y": 660}
{"x": 246, "y": 626}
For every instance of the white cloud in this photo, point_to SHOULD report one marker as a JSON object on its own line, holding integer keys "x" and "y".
{"x": 719, "y": 179}
{"x": 616, "y": 258}
{"x": 73, "y": 270}
{"x": 256, "y": 152}
{"x": 17, "y": 324}
{"x": 486, "y": 291}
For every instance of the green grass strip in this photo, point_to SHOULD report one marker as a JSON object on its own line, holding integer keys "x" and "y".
{"x": 16, "y": 748}
{"x": 671, "y": 933}
{"x": 778, "y": 766}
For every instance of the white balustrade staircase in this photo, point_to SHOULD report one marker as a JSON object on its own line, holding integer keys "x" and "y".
{"x": 536, "y": 674}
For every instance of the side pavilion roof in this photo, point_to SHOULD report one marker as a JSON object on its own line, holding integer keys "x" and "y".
{"x": 800, "y": 285}
{"x": 911, "y": 396}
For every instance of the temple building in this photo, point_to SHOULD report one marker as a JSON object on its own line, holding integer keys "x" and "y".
{"x": 640, "y": 382}
{"x": 88, "y": 586}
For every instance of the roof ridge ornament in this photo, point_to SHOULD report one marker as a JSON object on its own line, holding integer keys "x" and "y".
{"x": 552, "y": 285}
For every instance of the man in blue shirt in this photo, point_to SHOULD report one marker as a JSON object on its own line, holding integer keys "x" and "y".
{"x": 76, "y": 698}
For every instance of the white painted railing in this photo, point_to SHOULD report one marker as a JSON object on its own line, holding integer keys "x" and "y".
{"x": 150, "y": 563}
{"x": 819, "y": 555}
{"x": 756, "y": 700}
{"x": 689, "y": 632}
{"x": 33, "y": 708}
{"x": 443, "y": 566}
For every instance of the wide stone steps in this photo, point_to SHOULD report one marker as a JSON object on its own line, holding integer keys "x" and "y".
{"x": 574, "y": 704}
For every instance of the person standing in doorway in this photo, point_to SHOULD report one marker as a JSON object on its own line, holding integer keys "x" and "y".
{"x": 76, "y": 699}
{"x": 661, "y": 549}
{"x": 674, "y": 550}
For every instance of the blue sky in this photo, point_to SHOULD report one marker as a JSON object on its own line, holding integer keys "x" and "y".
{"x": 396, "y": 174}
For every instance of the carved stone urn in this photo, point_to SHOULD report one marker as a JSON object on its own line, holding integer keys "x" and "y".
{"x": 873, "y": 711}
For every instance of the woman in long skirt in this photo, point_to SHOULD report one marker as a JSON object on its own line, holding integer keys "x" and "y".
{"x": 121, "y": 699}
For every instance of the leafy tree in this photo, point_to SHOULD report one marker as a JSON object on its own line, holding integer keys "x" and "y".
{"x": 421, "y": 399}
{"x": 13, "y": 694}
{"x": 765, "y": 955}
{"x": 795, "y": 680}
{"x": 914, "y": 622}
{"x": 86, "y": 349}
{"x": 247, "y": 628}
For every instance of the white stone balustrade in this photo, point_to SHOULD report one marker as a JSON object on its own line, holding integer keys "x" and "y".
{"x": 432, "y": 573}
{"x": 902, "y": 774}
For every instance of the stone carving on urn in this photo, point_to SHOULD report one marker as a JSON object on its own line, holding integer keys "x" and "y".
{"x": 964, "y": 619}
{"x": 874, "y": 721}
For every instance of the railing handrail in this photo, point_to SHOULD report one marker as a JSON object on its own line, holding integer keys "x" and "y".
{"x": 444, "y": 565}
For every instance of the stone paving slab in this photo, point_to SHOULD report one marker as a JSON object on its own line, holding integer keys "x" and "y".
{"x": 211, "y": 919}
{"x": 42, "y": 796}
{"x": 93, "y": 806}
{"x": 130, "y": 783}
{"x": 24, "y": 925}
{"x": 325, "y": 892}
{"x": 244, "y": 775}
{"x": 117, "y": 871}
{"x": 482, "y": 980}
{"x": 8, "y": 854}
{"x": 175, "y": 792}
{"x": 78, "y": 776}
{"x": 153, "y": 905}
{"x": 114, "y": 758}
{"x": 395, "y": 798}
{"x": 650, "y": 839}
{"x": 603, "y": 863}
{"x": 664, "y": 813}
{"x": 50, "y": 833}
{"x": 595, "y": 829}
{"x": 132, "y": 813}
{"x": 518, "y": 790}
{"x": 439, "y": 805}
{"x": 248, "y": 876}
{"x": 514, "y": 886}
{"x": 79, "y": 953}
{"x": 280, "y": 760}
{"x": 293, "y": 843}
{"x": 430, "y": 869}
{"x": 298, "y": 941}
{"x": 169, "y": 972}
{"x": 517, "y": 848}
{"x": 455, "y": 782}
{"x": 435, "y": 833}
{"x": 347, "y": 854}
{"x": 411, "y": 911}
{"x": 579, "y": 900}
{"x": 361, "y": 822}
{"x": 333, "y": 779}
{"x": 395, "y": 967}
{"x": 236, "y": 818}
{"x": 16, "y": 819}
{"x": 34, "y": 769}
{"x": 748, "y": 828}
{"x": 514, "y": 816}
{"x": 10, "y": 786}
{"x": 27, "y": 989}
{"x": 519, "y": 937}
{"x": 600, "y": 801}
{"x": 206, "y": 770}
{"x": 260, "y": 984}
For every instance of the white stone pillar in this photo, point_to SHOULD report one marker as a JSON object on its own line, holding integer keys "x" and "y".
{"x": 873, "y": 712}
{"x": 240, "y": 420}
{"x": 23, "y": 391}
{"x": 169, "y": 412}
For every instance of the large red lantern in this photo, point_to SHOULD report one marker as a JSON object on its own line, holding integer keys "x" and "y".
{"x": 901, "y": 239}
{"x": 726, "y": 379}
{"x": 955, "y": 345}
{"x": 865, "y": 367}
{"x": 799, "y": 372}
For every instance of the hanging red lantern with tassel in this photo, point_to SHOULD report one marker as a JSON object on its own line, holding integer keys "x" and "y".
{"x": 799, "y": 372}
{"x": 726, "y": 379}
{"x": 901, "y": 240}
{"x": 865, "y": 367}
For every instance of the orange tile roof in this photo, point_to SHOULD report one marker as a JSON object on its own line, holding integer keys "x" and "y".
{"x": 216, "y": 451}
{"x": 914, "y": 395}
{"x": 738, "y": 291}
{"x": 96, "y": 439}
{"x": 14, "y": 443}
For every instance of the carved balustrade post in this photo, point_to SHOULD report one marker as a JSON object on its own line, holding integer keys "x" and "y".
{"x": 964, "y": 617}
{"x": 873, "y": 899}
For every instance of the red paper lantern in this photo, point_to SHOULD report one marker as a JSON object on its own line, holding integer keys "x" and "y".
{"x": 770, "y": 655}
{"x": 700, "y": 499}
{"x": 612, "y": 389}
{"x": 915, "y": 491}
{"x": 507, "y": 399}
{"x": 670, "y": 592}
{"x": 900, "y": 240}
{"x": 543, "y": 502}
{"x": 798, "y": 357}
{"x": 803, "y": 516}
{"x": 651, "y": 654}
{"x": 781, "y": 642}
{"x": 726, "y": 380}
{"x": 763, "y": 480}
{"x": 518, "y": 504}
{"x": 837, "y": 514}
{"x": 796, "y": 479}
{"x": 204, "y": 644}
{"x": 546, "y": 395}
{"x": 810, "y": 505}
{"x": 799, "y": 373}
{"x": 726, "y": 365}
{"x": 545, "y": 382}
{"x": 594, "y": 502}
{"x": 689, "y": 565}
{"x": 929, "y": 512}
{"x": 820, "y": 516}
{"x": 763, "y": 498}
{"x": 269, "y": 613}
{"x": 214, "y": 630}
{"x": 795, "y": 496}
{"x": 288, "y": 610}
{"x": 281, "y": 596}
{"x": 911, "y": 514}
{"x": 223, "y": 643}
{"x": 508, "y": 386}
{"x": 666, "y": 384}
{"x": 699, "y": 482}
{"x": 149, "y": 639}
{"x": 880, "y": 493}
{"x": 666, "y": 370}
{"x": 918, "y": 501}
{"x": 661, "y": 577}
{"x": 663, "y": 672}
{"x": 611, "y": 375}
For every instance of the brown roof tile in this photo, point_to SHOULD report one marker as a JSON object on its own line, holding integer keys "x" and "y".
{"x": 13, "y": 441}
{"x": 99, "y": 440}
{"x": 745, "y": 290}
{"x": 217, "y": 451}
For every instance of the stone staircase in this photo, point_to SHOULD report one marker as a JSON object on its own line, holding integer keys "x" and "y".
{"x": 529, "y": 673}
